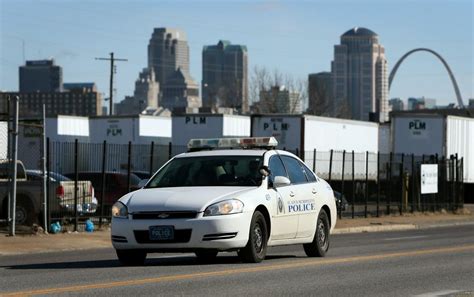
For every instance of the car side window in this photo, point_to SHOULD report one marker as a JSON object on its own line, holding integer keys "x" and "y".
{"x": 276, "y": 168}
{"x": 297, "y": 175}
{"x": 309, "y": 174}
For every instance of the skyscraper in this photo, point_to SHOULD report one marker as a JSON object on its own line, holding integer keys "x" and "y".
{"x": 320, "y": 94}
{"x": 41, "y": 76}
{"x": 224, "y": 76}
{"x": 360, "y": 75}
{"x": 168, "y": 51}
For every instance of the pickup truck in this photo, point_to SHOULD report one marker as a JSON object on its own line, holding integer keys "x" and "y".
{"x": 29, "y": 199}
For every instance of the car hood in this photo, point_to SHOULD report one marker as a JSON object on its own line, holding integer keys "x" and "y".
{"x": 179, "y": 199}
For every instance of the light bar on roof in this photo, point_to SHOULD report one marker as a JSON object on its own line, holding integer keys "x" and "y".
{"x": 244, "y": 142}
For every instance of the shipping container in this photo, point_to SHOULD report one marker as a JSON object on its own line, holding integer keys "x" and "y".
{"x": 188, "y": 126}
{"x": 306, "y": 133}
{"x": 139, "y": 129}
{"x": 303, "y": 134}
{"x": 3, "y": 140}
{"x": 435, "y": 134}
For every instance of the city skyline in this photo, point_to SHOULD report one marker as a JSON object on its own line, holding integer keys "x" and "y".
{"x": 421, "y": 75}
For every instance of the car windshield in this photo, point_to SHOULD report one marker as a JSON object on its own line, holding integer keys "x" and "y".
{"x": 209, "y": 171}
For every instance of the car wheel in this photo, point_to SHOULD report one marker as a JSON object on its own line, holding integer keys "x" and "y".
{"x": 206, "y": 256}
{"x": 320, "y": 244}
{"x": 131, "y": 257}
{"x": 256, "y": 248}
{"x": 24, "y": 213}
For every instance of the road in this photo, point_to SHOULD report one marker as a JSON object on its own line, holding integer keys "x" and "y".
{"x": 428, "y": 262}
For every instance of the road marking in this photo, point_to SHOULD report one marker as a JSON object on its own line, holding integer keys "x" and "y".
{"x": 440, "y": 293}
{"x": 406, "y": 237}
{"x": 259, "y": 268}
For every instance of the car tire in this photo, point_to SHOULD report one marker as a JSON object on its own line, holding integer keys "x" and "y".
{"x": 24, "y": 213}
{"x": 320, "y": 244}
{"x": 256, "y": 248}
{"x": 206, "y": 256}
{"x": 131, "y": 257}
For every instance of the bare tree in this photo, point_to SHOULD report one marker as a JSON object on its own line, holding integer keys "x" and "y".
{"x": 266, "y": 87}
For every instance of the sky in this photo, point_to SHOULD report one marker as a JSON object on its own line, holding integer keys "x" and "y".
{"x": 294, "y": 37}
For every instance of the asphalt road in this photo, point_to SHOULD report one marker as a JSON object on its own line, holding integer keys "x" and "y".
{"x": 429, "y": 262}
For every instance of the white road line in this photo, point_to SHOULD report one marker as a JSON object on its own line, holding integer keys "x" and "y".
{"x": 406, "y": 237}
{"x": 439, "y": 293}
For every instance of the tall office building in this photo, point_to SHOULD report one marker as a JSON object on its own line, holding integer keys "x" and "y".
{"x": 396, "y": 104}
{"x": 41, "y": 76}
{"x": 168, "y": 51}
{"x": 180, "y": 93}
{"x": 360, "y": 75}
{"x": 320, "y": 94}
{"x": 145, "y": 95}
{"x": 224, "y": 76}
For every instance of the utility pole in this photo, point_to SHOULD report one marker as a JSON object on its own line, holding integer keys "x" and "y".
{"x": 112, "y": 60}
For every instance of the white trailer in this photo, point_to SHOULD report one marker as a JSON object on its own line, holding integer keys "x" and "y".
{"x": 3, "y": 140}
{"x": 188, "y": 126}
{"x": 304, "y": 134}
{"x": 139, "y": 129}
{"x": 431, "y": 134}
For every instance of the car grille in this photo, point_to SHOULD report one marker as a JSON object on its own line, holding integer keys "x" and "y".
{"x": 164, "y": 215}
{"x": 180, "y": 236}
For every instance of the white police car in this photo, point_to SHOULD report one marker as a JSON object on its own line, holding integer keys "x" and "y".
{"x": 232, "y": 194}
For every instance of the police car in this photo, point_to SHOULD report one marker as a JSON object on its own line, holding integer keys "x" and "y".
{"x": 229, "y": 194}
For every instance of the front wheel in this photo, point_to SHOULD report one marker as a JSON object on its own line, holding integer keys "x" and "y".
{"x": 320, "y": 244}
{"x": 131, "y": 257}
{"x": 256, "y": 248}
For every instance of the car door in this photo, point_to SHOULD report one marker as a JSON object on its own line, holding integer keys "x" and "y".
{"x": 304, "y": 200}
{"x": 284, "y": 223}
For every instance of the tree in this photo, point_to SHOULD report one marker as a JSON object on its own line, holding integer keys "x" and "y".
{"x": 265, "y": 91}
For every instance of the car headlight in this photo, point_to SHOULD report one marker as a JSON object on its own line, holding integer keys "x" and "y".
{"x": 119, "y": 210}
{"x": 224, "y": 208}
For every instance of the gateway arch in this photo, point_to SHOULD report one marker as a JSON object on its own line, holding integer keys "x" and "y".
{"x": 451, "y": 75}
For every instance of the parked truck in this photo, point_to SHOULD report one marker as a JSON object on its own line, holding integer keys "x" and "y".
{"x": 29, "y": 198}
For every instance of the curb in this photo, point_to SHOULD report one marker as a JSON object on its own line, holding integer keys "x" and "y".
{"x": 398, "y": 227}
{"x": 378, "y": 228}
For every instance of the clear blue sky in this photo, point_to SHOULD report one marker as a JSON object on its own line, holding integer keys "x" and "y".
{"x": 295, "y": 37}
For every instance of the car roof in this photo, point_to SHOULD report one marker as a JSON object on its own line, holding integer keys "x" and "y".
{"x": 225, "y": 152}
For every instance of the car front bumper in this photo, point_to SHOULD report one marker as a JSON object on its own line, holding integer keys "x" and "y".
{"x": 225, "y": 232}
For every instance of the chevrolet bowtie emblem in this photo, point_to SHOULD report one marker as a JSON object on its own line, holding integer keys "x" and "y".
{"x": 163, "y": 215}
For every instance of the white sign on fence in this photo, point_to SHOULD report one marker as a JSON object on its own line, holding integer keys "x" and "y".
{"x": 429, "y": 178}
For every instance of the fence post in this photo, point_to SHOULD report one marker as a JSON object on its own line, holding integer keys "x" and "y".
{"x": 169, "y": 150}
{"x": 76, "y": 178}
{"x": 342, "y": 182}
{"x": 366, "y": 182}
{"x": 330, "y": 166}
{"x": 378, "y": 184}
{"x": 129, "y": 165}
{"x": 48, "y": 190}
{"x": 314, "y": 160}
{"x": 353, "y": 185}
{"x": 151, "y": 157}
{"x": 402, "y": 192}
{"x": 104, "y": 164}
{"x": 413, "y": 194}
{"x": 456, "y": 183}
{"x": 389, "y": 180}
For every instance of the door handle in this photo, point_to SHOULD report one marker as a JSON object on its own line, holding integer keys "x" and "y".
{"x": 314, "y": 191}
{"x": 292, "y": 194}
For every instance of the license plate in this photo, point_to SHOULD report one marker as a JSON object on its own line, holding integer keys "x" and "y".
{"x": 161, "y": 232}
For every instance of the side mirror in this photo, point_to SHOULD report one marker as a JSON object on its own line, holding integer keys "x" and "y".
{"x": 281, "y": 181}
{"x": 142, "y": 183}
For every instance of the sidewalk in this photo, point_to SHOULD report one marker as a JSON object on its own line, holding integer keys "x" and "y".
{"x": 39, "y": 243}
